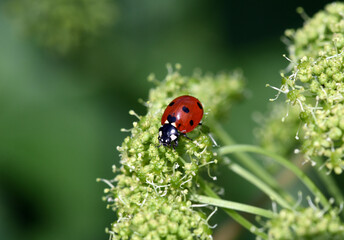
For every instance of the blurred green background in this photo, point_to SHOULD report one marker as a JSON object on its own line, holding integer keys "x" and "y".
{"x": 70, "y": 70}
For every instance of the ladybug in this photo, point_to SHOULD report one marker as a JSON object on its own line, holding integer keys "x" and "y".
{"x": 181, "y": 116}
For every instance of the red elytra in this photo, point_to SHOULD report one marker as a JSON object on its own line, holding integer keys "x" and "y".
{"x": 185, "y": 111}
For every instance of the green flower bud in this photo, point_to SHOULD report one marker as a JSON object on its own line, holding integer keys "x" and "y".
{"x": 335, "y": 133}
{"x": 318, "y": 69}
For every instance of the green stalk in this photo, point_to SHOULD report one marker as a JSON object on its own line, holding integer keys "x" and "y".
{"x": 331, "y": 186}
{"x": 233, "y": 214}
{"x": 274, "y": 196}
{"x": 284, "y": 162}
{"x": 250, "y": 163}
{"x": 232, "y": 205}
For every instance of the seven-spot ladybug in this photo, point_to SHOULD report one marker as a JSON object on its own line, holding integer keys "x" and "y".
{"x": 181, "y": 116}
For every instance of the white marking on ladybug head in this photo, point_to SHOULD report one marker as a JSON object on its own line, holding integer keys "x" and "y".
{"x": 173, "y": 124}
{"x": 160, "y": 133}
{"x": 166, "y": 122}
{"x": 173, "y": 137}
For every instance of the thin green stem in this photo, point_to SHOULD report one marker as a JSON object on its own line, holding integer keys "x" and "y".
{"x": 259, "y": 184}
{"x": 250, "y": 163}
{"x": 232, "y": 205}
{"x": 233, "y": 214}
{"x": 331, "y": 186}
{"x": 284, "y": 162}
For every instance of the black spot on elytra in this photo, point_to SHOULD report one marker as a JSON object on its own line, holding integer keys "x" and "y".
{"x": 185, "y": 109}
{"x": 199, "y": 105}
{"x": 191, "y": 122}
{"x": 179, "y": 125}
{"x": 171, "y": 104}
{"x": 171, "y": 119}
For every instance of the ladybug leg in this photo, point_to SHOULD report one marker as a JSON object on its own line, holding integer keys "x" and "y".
{"x": 199, "y": 123}
{"x": 175, "y": 144}
{"x": 184, "y": 134}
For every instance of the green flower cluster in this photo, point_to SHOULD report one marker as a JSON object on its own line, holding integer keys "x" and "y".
{"x": 309, "y": 223}
{"x": 62, "y": 25}
{"x": 316, "y": 87}
{"x": 320, "y": 35}
{"x": 153, "y": 185}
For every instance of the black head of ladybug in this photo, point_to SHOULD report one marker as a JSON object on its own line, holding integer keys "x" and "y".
{"x": 168, "y": 135}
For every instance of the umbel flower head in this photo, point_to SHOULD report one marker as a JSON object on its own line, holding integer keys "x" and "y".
{"x": 150, "y": 193}
{"x": 315, "y": 85}
{"x": 62, "y": 25}
{"x": 319, "y": 34}
{"x": 308, "y": 223}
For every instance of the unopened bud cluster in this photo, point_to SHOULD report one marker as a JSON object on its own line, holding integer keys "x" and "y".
{"x": 309, "y": 223}
{"x": 150, "y": 193}
{"x": 315, "y": 85}
{"x": 62, "y": 25}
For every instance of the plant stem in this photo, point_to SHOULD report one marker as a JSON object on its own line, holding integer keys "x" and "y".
{"x": 233, "y": 214}
{"x": 331, "y": 186}
{"x": 250, "y": 163}
{"x": 274, "y": 196}
{"x": 232, "y": 205}
{"x": 248, "y": 148}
